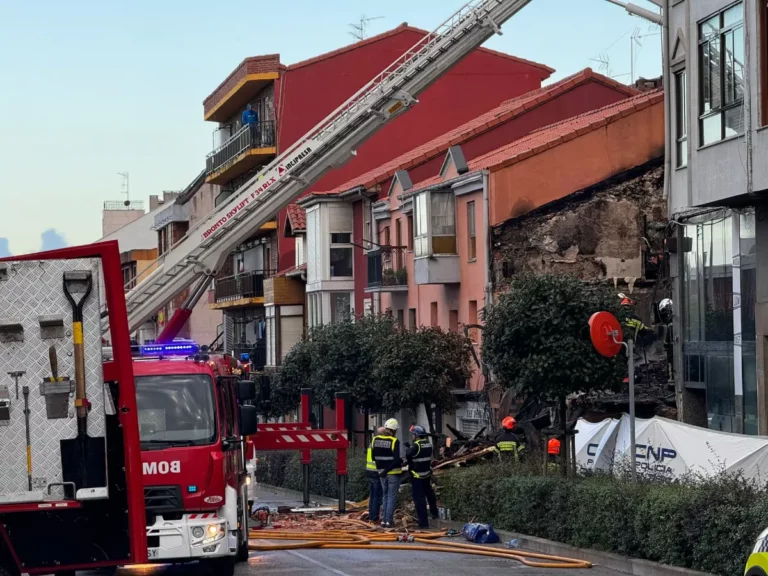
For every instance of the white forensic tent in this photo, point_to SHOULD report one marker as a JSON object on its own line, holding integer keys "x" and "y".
{"x": 669, "y": 448}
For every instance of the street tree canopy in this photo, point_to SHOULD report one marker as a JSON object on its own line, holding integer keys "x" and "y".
{"x": 536, "y": 339}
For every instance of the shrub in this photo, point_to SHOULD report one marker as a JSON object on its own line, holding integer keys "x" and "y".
{"x": 283, "y": 469}
{"x": 702, "y": 524}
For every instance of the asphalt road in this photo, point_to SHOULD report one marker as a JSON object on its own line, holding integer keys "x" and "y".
{"x": 365, "y": 562}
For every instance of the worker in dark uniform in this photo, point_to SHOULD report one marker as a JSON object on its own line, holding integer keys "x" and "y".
{"x": 419, "y": 456}
{"x": 374, "y": 484}
{"x": 553, "y": 455}
{"x": 386, "y": 454}
{"x": 508, "y": 444}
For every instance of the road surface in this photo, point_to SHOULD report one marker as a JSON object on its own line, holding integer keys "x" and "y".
{"x": 365, "y": 562}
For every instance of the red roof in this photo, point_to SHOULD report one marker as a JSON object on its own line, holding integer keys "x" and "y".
{"x": 555, "y": 134}
{"x": 297, "y": 217}
{"x": 405, "y": 27}
{"x": 503, "y": 113}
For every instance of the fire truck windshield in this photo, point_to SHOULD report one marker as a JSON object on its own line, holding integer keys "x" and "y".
{"x": 175, "y": 410}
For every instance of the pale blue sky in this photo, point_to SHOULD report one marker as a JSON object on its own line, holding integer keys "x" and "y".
{"x": 90, "y": 88}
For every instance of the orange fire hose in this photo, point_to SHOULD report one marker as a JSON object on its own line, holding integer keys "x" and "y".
{"x": 423, "y": 542}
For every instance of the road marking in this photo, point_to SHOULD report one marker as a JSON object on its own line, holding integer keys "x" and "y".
{"x": 317, "y": 563}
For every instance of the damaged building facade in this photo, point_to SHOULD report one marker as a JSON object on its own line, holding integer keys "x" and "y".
{"x": 610, "y": 233}
{"x": 718, "y": 180}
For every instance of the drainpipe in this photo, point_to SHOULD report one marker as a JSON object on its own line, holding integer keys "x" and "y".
{"x": 488, "y": 241}
{"x": 748, "y": 102}
{"x": 665, "y": 79}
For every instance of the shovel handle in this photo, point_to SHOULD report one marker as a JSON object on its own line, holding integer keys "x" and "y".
{"x": 54, "y": 360}
{"x": 81, "y": 403}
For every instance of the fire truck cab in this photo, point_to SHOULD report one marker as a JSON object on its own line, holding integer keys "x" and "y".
{"x": 192, "y": 423}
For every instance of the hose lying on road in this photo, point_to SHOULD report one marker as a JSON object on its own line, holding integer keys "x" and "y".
{"x": 427, "y": 542}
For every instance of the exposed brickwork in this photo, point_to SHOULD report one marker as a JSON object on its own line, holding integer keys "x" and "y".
{"x": 253, "y": 65}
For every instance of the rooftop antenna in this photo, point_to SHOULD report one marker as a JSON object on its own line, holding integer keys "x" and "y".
{"x": 125, "y": 187}
{"x": 604, "y": 64}
{"x": 358, "y": 31}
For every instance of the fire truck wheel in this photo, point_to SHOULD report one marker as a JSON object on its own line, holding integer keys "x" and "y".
{"x": 220, "y": 566}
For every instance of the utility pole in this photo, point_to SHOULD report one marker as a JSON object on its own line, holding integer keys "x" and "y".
{"x": 359, "y": 30}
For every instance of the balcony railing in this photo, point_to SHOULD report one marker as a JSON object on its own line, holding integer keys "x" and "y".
{"x": 257, "y": 135}
{"x": 124, "y": 205}
{"x": 386, "y": 268}
{"x": 246, "y": 285}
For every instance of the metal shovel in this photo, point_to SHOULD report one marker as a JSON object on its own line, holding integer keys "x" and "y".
{"x": 83, "y": 459}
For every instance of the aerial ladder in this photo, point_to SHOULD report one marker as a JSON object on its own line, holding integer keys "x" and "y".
{"x": 196, "y": 258}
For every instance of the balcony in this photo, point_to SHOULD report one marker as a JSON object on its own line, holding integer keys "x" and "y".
{"x": 251, "y": 77}
{"x": 386, "y": 270}
{"x": 240, "y": 290}
{"x": 251, "y": 146}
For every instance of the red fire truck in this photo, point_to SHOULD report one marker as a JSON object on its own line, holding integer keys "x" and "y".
{"x": 193, "y": 418}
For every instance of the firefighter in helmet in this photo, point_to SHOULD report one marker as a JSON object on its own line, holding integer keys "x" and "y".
{"x": 508, "y": 443}
{"x": 419, "y": 455}
{"x": 553, "y": 454}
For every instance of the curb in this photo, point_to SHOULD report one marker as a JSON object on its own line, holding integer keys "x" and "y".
{"x": 616, "y": 562}
{"x": 299, "y": 496}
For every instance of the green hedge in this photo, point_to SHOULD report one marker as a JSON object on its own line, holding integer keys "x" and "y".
{"x": 708, "y": 525}
{"x": 283, "y": 469}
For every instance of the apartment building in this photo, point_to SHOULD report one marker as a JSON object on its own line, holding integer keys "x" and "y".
{"x": 412, "y": 236}
{"x": 718, "y": 69}
{"x": 286, "y": 101}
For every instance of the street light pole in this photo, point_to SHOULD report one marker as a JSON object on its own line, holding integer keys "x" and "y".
{"x": 636, "y": 10}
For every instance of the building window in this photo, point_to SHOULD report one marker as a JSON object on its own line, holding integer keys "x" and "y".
{"x": 473, "y": 319}
{"x": 410, "y": 232}
{"x": 433, "y": 314}
{"x": 471, "y": 231}
{"x": 401, "y": 318}
{"x": 721, "y": 61}
{"x": 341, "y": 306}
{"x": 435, "y": 223}
{"x": 681, "y": 120}
{"x": 453, "y": 320}
{"x": 412, "y": 318}
{"x": 341, "y": 255}
{"x": 367, "y": 225}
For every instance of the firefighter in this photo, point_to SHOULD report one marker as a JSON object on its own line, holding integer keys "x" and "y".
{"x": 386, "y": 454}
{"x": 374, "y": 484}
{"x": 553, "y": 455}
{"x": 419, "y": 456}
{"x": 508, "y": 444}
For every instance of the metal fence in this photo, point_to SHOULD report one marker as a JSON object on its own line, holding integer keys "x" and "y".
{"x": 256, "y": 135}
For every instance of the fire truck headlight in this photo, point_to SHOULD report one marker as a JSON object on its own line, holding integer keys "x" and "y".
{"x": 213, "y": 529}
{"x": 198, "y": 532}
{"x": 248, "y": 480}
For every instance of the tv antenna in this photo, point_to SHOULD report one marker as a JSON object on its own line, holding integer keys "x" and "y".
{"x": 125, "y": 187}
{"x": 359, "y": 30}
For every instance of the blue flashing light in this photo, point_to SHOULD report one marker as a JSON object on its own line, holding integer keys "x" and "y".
{"x": 191, "y": 489}
{"x": 171, "y": 349}
{"x": 245, "y": 357}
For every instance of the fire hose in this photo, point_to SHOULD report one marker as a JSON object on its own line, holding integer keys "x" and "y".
{"x": 362, "y": 539}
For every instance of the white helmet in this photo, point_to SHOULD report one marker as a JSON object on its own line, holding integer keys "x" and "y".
{"x": 391, "y": 424}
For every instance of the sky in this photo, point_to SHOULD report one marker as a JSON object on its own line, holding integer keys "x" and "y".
{"x": 90, "y": 88}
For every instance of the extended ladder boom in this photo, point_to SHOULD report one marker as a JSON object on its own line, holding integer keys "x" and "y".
{"x": 330, "y": 144}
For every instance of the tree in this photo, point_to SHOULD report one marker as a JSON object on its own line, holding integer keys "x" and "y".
{"x": 295, "y": 373}
{"x": 343, "y": 357}
{"x": 536, "y": 339}
{"x": 422, "y": 367}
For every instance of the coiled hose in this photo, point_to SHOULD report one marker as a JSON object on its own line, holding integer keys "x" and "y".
{"x": 367, "y": 539}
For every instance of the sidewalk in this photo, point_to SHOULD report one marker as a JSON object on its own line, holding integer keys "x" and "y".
{"x": 273, "y": 496}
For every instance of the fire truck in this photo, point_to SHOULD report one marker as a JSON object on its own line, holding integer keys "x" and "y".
{"x": 193, "y": 415}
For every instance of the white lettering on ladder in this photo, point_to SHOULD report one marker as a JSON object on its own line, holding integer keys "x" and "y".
{"x": 173, "y": 467}
{"x": 267, "y": 180}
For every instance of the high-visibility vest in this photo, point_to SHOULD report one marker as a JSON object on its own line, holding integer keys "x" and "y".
{"x": 421, "y": 463}
{"x": 383, "y": 451}
{"x": 508, "y": 444}
{"x": 370, "y": 465}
